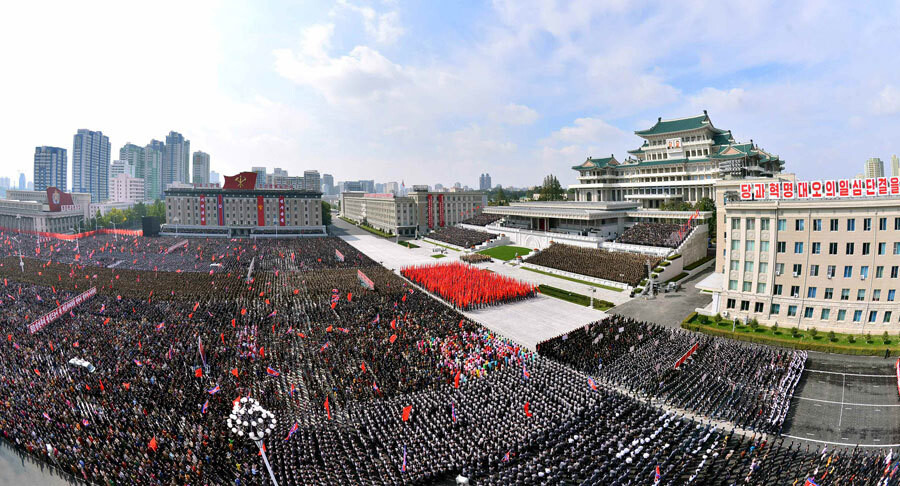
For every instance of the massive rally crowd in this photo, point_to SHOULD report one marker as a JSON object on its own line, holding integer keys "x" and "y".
{"x": 467, "y": 287}
{"x": 383, "y": 386}
{"x": 461, "y": 237}
{"x": 482, "y": 219}
{"x": 623, "y": 267}
{"x": 654, "y": 234}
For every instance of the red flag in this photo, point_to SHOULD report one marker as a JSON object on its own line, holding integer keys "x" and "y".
{"x": 222, "y": 335}
{"x": 153, "y": 444}
{"x": 328, "y": 329}
{"x": 456, "y": 380}
{"x": 393, "y": 338}
{"x": 327, "y": 408}
{"x": 406, "y": 411}
{"x": 349, "y": 296}
{"x": 101, "y": 385}
{"x": 364, "y": 366}
{"x": 106, "y": 321}
{"x": 243, "y": 312}
{"x": 296, "y": 291}
{"x": 262, "y": 352}
{"x": 232, "y": 323}
{"x": 234, "y": 371}
{"x": 393, "y": 323}
{"x": 38, "y": 372}
{"x": 527, "y": 412}
{"x": 127, "y": 386}
{"x": 198, "y": 372}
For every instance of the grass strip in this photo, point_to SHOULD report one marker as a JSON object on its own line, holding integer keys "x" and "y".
{"x": 575, "y": 298}
{"x": 570, "y": 279}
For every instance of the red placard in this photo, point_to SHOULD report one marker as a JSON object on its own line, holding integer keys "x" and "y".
{"x": 260, "y": 211}
{"x": 430, "y": 212}
{"x": 203, "y": 210}
{"x": 746, "y": 191}
{"x": 280, "y": 210}
{"x": 883, "y": 188}
{"x": 441, "y": 209}
{"x": 815, "y": 189}
{"x": 829, "y": 189}
{"x": 61, "y": 310}
{"x": 894, "y": 183}
{"x": 857, "y": 187}
{"x": 871, "y": 187}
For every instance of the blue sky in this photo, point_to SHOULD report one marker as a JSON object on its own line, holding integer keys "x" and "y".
{"x": 430, "y": 92}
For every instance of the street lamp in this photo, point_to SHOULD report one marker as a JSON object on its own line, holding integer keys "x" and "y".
{"x": 175, "y": 220}
{"x": 249, "y": 419}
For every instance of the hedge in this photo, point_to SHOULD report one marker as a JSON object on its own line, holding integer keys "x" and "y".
{"x": 699, "y": 262}
{"x": 574, "y": 297}
{"x": 675, "y": 257}
{"x": 665, "y": 264}
{"x": 677, "y": 277}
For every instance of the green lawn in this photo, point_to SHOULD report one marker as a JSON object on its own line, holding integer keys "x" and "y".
{"x": 407, "y": 244}
{"x": 505, "y": 253}
{"x": 699, "y": 262}
{"x": 439, "y": 255}
{"x": 570, "y": 279}
{"x": 821, "y": 341}
{"x": 575, "y": 298}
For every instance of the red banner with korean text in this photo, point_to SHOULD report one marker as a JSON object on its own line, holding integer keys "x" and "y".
{"x": 280, "y": 210}
{"x": 61, "y": 310}
{"x": 870, "y": 187}
{"x": 364, "y": 280}
{"x": 203, "y": 210}
{"x": 686, "y": 355}
{"x": 260, "y": 211}
{"x": 441, "y": 209}
{"x": 430, "y": 212}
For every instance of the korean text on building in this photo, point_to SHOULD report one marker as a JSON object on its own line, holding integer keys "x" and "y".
{"x": 872, "y": 187}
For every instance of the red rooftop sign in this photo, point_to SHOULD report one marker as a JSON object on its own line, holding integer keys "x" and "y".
{"x": 244, "y": 180}
{"x": 871, "y": 187}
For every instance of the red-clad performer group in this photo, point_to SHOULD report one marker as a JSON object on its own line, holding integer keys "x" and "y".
{"x": 467, "y": 287}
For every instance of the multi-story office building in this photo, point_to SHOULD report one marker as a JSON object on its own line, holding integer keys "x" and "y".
{"x": 120, "y": 167}
{"x": 312, "y": 181}
{"x": 328, "y": 184}
{"x": 176, "y": 159}
{"x": 484, "y": 182}
{"x": 239, "y": 209}
{"x": 213, "y": 177}
{"x": 50, "y": 210}
{"x": 392, "y": 188}
{"x": 201, "y": 168}
{"x": 874, "y": 167}
{"x": 895, "y": 166}
{"x": 22, "y": 184}
{"x": 680, "y": 160}
{"x": 50, "y": 167}
{"x": 90, "y": 164}
{"x": 153, "y": 155}
{"x": 260, "y": 176}
{"x": 125, "y": 188}
{"x": 420, "y": 211}
{"x": 822, "y": 254}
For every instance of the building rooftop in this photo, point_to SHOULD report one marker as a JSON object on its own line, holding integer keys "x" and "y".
{"x": 679, "y": 125}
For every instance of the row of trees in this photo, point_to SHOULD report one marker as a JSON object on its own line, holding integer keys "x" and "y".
{"x": 126, "y": 218}
{"x": 550, "y": 190}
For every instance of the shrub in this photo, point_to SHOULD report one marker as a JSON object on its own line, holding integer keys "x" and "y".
{"x": 832, "y": 336}
{"x": 754, "y": 324}
{"x": 851, "y": 338}
{"x": 795, "y": 332}
{"x": 737, "y": 323}
{"x": 703, "y": 319}
{"x": 869, "y": 337}
{"x": 664, "y": 264}
{"x": 675, "y": 257}
{"x": 718, "y": 318}
{"x": 775, "y": 327}
{"x": 886, "y": 338}
{"x": 813, "y": 332}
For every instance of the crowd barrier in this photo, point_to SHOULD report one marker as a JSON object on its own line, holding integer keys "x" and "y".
{"x": 76, "y": 236}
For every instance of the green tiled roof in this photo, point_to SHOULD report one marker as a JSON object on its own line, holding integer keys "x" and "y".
{"x": 592, "y": 163}
{"x": 679, "y": 125}
{"x": 723, "y": 138}
{"x": 653, "y": 163}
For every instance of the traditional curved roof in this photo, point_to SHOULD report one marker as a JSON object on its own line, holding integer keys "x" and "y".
{"x": 592, "y": 163}
{"x": 679, "y": 125}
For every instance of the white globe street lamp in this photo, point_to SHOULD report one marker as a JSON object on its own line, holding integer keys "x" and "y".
{"x": 249, "y": 419}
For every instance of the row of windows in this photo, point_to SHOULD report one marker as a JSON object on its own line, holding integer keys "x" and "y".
{"x": 813, "y": 292}
{"x": 830, "y": 270}
{"x": 809, "y": 312}
{"x": 800, "y": 224}
{"x": 816, "y": 247}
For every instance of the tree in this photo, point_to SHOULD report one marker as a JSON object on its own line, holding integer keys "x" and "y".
{"x": 551, "y": 190}
{"x": 500, "y": 197}
{"x": 326, "y": 213}
{"x": 707, "y": 204}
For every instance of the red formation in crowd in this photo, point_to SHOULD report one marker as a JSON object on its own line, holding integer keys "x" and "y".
{"x": 467, "y": 287}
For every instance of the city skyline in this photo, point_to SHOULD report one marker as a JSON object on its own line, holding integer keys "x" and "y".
{"x": 457, "y": 92}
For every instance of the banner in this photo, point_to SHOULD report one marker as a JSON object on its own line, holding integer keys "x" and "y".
{"x": 364, "y": 280}
{"x": 686, "y": 355}
{"x": 77, "y": 236}
{"x": 221, "y": 211}
{"x": 59, "y": 201}
{"x": 441, "y": 209}
{"x": 871, "y": 187}
{"x": 203, "y": 210}
{"x": 244, "y": 181}
{"x": 61, "y": 310}
{"x": 260, "y": 211}
{"x": 430, "y": 212}
{"x": 338, "y": 255}
{"x": 280, "y": 210}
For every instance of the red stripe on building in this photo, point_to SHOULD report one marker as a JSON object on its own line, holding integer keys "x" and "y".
{"x": 260, "y": 212}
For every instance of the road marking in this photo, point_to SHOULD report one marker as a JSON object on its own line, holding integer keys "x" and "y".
{"x": 843, "y": 382}
{"x": 848, "y": 374}
{"x": 841, "y": 443}
{"x": 852, "y": 404}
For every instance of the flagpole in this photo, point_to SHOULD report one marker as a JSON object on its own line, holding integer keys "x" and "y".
{"x": 262, "y": 450}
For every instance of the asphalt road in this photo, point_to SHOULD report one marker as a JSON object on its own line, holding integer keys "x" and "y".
{"x": 667, "y": 309}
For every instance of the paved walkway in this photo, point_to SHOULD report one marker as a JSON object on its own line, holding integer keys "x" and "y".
{"x": 17, "y": 470}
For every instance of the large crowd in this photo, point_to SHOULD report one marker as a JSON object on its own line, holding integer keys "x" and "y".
{"x": 462, "y": 237}
{"x": 383, "y": 386}
{"x": 466, "y": 287}
{"x": 629, "y": 268}
{"x": 654, "y": 234}
{"x": 483, "y": 219}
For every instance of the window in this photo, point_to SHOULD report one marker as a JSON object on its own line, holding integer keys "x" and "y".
{"x": 798, "y": 247}
{"x": 857, "y": 315}
{"x": 896, "y": 224}
{"x": 833, "y": 225}
{"x": 745, "y": 305}
{"x": 758, "y": 307}
{"x": 894, "y": 271}
{"x": 864, "y": 272}
{"x": 748, "y": 266}
{"x": 816, "y": 248}
{"x": 777, "y": 289}
{"x": 751, "y": 224}
{"x": 808, "y": 312}
{"x": 845, "y": 294}
{"x": 781, "y": 247}
{"x": 851, "y": 224}
{"x": 867, "y": 224}
{"x": 798, "y": 269}
{"x": 775, "y": 309}
{"x": 842, "y": 314}
{"x": 795, "y": 291}
{"x": 750, "y": 245}
{"x": 811, "y": 293}
{"x": 735, "y": 265}
{"x": 832, "y": 248}
{"x": 735, "y": 223}
{"x": 779, "y": 268}
{"x": 799, "y": 224}
{"x": 730, "y": 304}
{"x": 747, "y": 286}
{"x": 850, "y": 248}
{"x": 763, "y": 267}
{"x": 761, "y": 288}
{"x": 897, "y": 248}
{"x": 829, "y": 293}
{"x": 732, "y": 285}
{"x": 887, "y": 316}
{"x": 782, "y": 224}
{"x": 890, "y": 296}
{"x": 792, "y": 310}
{"x": 764, "y": 247}
{"x": 861, "y": 294}
{"x": 826, "y": 313}
{"x": 882, "y": 224}
{"x": 848, "y": 271}
{"x": 866, "y": 248}
{"x": 817, "y": 225}
{"x": 764, "y": 224}
{"x": 876, "y": 295}
{"x": 735, "y": 245}
{"x": 873, "y": 316}
{"x": 813, "y": 270}
{"x": 882, "y": 248}
{"x": 830, "y": 271}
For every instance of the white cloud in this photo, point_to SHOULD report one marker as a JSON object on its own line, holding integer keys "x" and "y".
{"x": 384, "y": 28}
{"x": 717, "y": 100}
{"x": 587, "y": 131}
{"x": 887, "y": 102}
{"x": 513, "y": 114}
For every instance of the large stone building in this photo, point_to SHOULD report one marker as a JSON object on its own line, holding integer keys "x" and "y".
{"x": 240, "y": 209}
{"x": 822, "y": 254}
{"x": 50, "y": 167}
{"x": 417, "y": 213}
{"x": 680, "y": 160}
{"x": 50, "y": 210}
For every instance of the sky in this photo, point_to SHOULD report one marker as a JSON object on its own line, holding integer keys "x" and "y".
{"x": 438, "y": 92}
